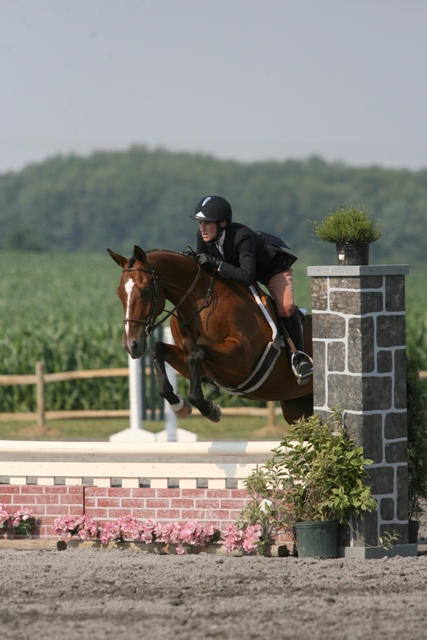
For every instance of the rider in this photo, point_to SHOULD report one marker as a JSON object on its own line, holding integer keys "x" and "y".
{"x": 243, "y": 255}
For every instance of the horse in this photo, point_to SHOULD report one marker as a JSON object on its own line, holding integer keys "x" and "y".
{"x": 221, "y": 334}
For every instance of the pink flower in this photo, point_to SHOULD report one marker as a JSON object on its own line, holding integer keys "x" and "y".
{"x": 93, "y": 529}
{"x": 88, "y": 528}
{"x": 136, "y": 530}
{"x": 147, "y": 530}
{"x": 84, "y": 534}
{"x": 175, "y": 532}
{"x": 168, "y": 532}
{"x": 252, "y": 537}
{"x": 233, "y": 537}
{"x": 23, "y": 514}
{"x": 4, "y": 516}
{"x": 65, "y": 526}
{"x": 210, "y": 530}
{"x": 192, "y": 533}
{"x": 110, "y": 531}
{"x": 127, "y": 525}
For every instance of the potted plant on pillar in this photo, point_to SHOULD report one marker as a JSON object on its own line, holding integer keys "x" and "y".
{"x": 314, "y": 480}
{"x": 352, "y": 230}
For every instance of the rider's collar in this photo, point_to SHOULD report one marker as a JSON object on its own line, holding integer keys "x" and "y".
{"x": 219, "y": 241}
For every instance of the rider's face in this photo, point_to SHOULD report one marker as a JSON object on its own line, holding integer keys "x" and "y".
{"x": 208, "y": 229}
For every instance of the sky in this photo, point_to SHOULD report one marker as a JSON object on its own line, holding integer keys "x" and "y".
{"x": 248, "y": 80}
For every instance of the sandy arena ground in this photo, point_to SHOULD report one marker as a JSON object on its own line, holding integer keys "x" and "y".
{"x": 90, "y": 594}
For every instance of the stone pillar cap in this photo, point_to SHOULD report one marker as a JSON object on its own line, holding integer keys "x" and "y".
{"x": 359, "y": 270}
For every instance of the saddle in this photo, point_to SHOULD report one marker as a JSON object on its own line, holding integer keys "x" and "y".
{"x": 270, "y": 305}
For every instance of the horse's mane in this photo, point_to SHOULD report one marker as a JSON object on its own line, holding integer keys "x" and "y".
{"x": 163, "y": 251}
{"x": 132, "y": 260}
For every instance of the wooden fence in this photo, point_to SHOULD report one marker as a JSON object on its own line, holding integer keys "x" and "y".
{"x": 40, "y": 378}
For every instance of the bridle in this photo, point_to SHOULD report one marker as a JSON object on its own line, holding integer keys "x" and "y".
{"x": 150, "y": 326}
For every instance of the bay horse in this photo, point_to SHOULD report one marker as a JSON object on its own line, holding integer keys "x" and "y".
{"x": 220, "y": 332}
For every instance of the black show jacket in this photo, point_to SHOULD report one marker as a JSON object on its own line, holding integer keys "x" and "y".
{"x": 247, "y": 256}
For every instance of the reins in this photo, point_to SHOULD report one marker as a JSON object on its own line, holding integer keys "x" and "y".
{"x": 150, "y": 326}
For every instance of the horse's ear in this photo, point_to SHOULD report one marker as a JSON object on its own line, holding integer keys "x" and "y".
{"x": 139, "y": 254}
{"x": 120, "y": 260}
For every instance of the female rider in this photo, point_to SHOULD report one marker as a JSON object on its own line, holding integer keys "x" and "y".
{"x": 243, "y": 255}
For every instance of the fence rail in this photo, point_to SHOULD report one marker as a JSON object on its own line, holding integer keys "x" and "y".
{"x": 65, "y": 376}
{"x": 41, "y": 415}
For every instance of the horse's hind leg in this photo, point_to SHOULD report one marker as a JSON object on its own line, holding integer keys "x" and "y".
{"x": 207, "y": 408}
{"x": 178, "y": 404}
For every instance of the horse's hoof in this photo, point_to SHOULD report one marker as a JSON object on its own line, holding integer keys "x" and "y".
{"x": 215, "y": 414}
{"x": 183, "y": 409}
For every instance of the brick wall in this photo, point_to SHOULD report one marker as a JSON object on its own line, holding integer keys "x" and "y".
{"x": 219, "y": 507}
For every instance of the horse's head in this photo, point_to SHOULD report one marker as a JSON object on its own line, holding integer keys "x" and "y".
{"x": 142, "y": 299}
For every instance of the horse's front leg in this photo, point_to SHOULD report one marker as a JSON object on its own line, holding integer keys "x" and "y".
{"x": 178, "y": 404}
{"x": 207, "y": 408}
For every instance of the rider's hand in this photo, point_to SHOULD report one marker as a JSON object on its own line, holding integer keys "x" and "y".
{"x": 206, "y": 258}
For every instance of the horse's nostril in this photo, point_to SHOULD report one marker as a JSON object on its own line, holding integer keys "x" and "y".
{"x": 134, "y": 346}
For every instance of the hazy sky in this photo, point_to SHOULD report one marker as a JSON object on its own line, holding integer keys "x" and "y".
{"x": 242, "y": 79}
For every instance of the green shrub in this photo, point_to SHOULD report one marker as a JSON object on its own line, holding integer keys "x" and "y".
{"x": 417, "y": 440}
{"x": 347, "y": 225}
{"x": 315, "y": 474}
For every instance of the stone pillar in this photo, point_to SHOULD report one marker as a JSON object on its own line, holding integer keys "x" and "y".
{"x": 359, "y": 345}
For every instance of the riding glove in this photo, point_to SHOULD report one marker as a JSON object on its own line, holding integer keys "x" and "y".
{"x": 206, "y": 258}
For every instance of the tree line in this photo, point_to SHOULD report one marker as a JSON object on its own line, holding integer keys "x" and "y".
{"x": 145, "y": 197}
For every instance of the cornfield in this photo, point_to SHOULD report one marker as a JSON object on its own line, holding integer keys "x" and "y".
{"x": 62, "y": 310}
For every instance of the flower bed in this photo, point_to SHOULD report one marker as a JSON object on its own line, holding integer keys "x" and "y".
{"x": 183, "y": 537}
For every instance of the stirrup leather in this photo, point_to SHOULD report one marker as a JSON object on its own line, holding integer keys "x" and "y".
{"x": 302, "y": 378}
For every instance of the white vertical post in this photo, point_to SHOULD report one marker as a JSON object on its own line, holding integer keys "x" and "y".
{"x": 171, "y": 419}
{"x": 135, "y": 433}
{"x": 135, "y": 393}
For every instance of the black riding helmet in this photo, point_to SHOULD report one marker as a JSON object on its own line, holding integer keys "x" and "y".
{"x": 213, "y": 208}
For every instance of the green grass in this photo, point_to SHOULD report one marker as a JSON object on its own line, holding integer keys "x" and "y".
{"x": 230, "y": 428}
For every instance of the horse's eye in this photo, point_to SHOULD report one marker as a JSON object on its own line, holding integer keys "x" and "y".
{"x": 145, "y": 292}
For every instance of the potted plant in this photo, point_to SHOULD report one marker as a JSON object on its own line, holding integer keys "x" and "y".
{"x": 417, "y": 447}
{"x": 352, "y": 230}
{"x": 314, "y": 480}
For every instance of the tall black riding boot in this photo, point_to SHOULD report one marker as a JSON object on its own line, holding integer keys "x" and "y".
{"x": 302, "y": 364}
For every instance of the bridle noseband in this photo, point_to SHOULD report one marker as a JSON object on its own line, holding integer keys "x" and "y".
{"x": 150, "y": 326}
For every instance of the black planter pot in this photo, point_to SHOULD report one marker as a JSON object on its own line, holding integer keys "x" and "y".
{"x": 317, "y": 539}
{"x": 352, "y": 254}
{"x": 413, "y": 527}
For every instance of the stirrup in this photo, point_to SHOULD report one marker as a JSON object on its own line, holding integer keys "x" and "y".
{"x": 304, "y": 376}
